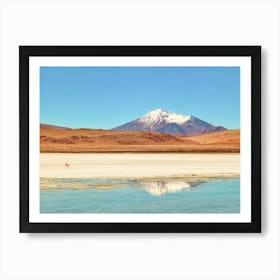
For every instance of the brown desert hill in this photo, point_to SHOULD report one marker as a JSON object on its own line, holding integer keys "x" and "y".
{"x": 60, "y": 139}
{"x": 50, "y": 126}
{"x": 74, "y": 136}
{"x": 222, "y": 137}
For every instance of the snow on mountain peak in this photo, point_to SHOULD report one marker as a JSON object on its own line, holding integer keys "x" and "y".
{"x": 160, "y": 115}
{"x": 170, "y": 123}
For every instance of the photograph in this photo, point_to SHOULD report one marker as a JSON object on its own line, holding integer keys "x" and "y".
{"x": 139, "y": 140}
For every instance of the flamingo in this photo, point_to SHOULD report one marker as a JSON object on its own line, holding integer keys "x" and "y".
{"x": 67, "y": 164}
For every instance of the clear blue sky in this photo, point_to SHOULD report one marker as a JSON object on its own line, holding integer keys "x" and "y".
{"x": 105, "y": 97}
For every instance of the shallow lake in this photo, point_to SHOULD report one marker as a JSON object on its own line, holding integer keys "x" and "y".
{"x": 140, "y": 196}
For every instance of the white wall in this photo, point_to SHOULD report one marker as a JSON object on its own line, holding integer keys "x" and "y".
{"x": 138, "y": 256}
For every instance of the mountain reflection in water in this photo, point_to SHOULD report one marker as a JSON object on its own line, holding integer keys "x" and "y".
{"x": 165, "y": 187}
{"x": 152, "y": 186}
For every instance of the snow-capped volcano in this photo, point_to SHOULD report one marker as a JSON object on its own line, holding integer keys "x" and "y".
{"x": 159, "y": 115}
{"x": 162, "y": 121}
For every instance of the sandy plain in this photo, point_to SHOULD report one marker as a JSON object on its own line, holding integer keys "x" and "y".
{"x": 140, "y": 165}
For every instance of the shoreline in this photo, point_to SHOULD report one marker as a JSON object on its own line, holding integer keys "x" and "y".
{"x": 62, "y": 183}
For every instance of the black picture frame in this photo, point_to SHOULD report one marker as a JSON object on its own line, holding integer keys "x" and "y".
{"x": 254, "y": 52}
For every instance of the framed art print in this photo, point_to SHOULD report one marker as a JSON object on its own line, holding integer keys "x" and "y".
{"x": 140, "y": 138}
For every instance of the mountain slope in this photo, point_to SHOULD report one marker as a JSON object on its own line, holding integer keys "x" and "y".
{"x": 162, "y": 121}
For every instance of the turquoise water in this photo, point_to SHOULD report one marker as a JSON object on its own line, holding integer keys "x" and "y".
{"x": 131, "y": 196}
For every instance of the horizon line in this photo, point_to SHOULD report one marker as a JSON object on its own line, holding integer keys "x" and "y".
{"x": 68, "y": 127}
